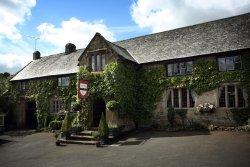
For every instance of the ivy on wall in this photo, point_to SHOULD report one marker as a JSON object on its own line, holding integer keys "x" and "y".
{"x": 205, "y": 77}
{"x": 116, "y": 83}
{"x": 135, "y": 91}
{"x": 42, "y": 90}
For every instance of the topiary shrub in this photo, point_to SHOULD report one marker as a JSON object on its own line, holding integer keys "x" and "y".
{"x": 241, "y": 116}
{"x": 55, "y": 125}
{"x": 103, "y": 128}
{"x": 66, "y": 125}
{"x": 171, "y": 115}
{"x": 113, "y": 105}
{"x": 78, "y": 123}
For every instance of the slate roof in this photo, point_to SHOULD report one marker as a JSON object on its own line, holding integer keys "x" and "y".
{"x": 58, "y": 64}
{"x": 211, "y": 37}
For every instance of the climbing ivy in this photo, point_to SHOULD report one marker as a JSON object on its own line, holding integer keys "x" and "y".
{"x": 42, "y": 91}
{"x": 205, "y": 77}
{"x": 135, "y": 90}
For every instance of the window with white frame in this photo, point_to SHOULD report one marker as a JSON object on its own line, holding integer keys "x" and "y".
{"x": 98, "y": 62}
{"x": 63, "y": 81}
{"x": 55, "y": 105}
{"x": 180, "y": 98}
{"x": 181, "y": 68}
{"x": 232, "y": 96}
{"x": 230, "y": 63}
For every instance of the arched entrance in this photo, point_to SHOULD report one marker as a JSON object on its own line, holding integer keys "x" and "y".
{"x": 31, "y": 118}
{"x": 99, "y": 107}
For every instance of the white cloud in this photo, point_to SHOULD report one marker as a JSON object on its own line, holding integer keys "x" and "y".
{"x": 74, "y": 31}
{"x": 160, "y": 15}
{"x": 15, "y": 55}
{"x": 13, "y": 13}
{"x": 14, "y": 51}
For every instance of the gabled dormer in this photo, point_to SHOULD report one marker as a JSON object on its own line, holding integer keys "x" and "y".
{"x": 100, "y": 52}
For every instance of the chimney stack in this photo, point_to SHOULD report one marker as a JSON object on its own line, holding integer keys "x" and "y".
{"x": 36, "y": 55}
{"x": 69, "y": 48}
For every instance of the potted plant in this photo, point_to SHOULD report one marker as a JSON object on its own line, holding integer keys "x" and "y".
{"x": 103, "y": 130}
{"x": 113, "y": 129}
{"x": 96, "y": 136}
{"x": 66, "y": 125}
{"x": 56, "y": 134}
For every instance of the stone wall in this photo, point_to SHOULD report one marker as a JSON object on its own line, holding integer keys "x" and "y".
{"x": 97, "y": 45}
{"x": 113, "y": 118}
{"x": 222, "y": 116}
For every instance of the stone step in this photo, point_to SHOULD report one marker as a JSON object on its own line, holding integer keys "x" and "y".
{"x": 82, "y": 137}
{"x": 77, "y": 142}
{"x": 87, "y": 132}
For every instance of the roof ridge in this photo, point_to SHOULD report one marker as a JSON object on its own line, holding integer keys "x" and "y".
{"x": 193, "y": 25}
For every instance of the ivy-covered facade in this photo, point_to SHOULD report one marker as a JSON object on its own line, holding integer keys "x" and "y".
{"x": 134, "y": 81}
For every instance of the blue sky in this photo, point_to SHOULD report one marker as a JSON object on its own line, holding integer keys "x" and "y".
{"x": 58, "y": 22}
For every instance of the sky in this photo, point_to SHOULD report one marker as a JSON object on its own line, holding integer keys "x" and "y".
{"x": 54, "y": 23}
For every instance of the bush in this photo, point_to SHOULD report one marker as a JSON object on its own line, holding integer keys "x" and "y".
{"x": 103, "y": 128}
{"x": 241, "y": 116}
{"x": 182, "y": 113}
{"x": 171, "y": 115}
{"x": 113, "y": 105}
{"x": 55, "y": 125}
{"x": 66, "y": 125}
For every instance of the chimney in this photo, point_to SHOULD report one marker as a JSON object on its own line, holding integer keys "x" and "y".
{"x": 36, "y": 55}
{"x": 69, "y": 48}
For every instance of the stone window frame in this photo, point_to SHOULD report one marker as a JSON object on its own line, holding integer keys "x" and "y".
{"x": 180, "y": 98}
{"x": 55, "y": 105}
{"x": 63, "y": 81}
{"x": 97, "y": 62}
{"x": 180, "y": 66}
{"x": 236, "y": 96}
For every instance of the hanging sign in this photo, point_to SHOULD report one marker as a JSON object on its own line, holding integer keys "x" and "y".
{"x": 83, "y": 89}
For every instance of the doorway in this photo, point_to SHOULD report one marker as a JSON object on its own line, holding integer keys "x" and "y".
{"x": 99, "y": 107}
{"x": 31, "y": 116}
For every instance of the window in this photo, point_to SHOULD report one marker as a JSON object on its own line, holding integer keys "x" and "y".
{"x": 180, "y": 98}
{"x": 63, "y": 81}
{"x": 230, "y": 63}
{"x": 55, "y": 105}
{"x": 98, "y": 62}
{"x": 232, "y": 96}
{"x": 180, "y": 68}
{"x": 23, "y": 86}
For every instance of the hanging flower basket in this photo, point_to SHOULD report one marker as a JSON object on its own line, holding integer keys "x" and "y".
{"x": 205, "y": 108}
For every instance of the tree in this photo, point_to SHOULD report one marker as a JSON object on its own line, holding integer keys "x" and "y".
{"x": 5, "y": 95}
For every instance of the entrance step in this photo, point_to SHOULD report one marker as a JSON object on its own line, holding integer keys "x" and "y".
{"x": 77, "y": 142}
{"x": 82, "y": 137}
{"x": 87, "y": 132}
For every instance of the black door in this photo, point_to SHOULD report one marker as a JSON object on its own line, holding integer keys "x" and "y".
{"x": 99, "y": 107}
{"x": 31, "y": 118}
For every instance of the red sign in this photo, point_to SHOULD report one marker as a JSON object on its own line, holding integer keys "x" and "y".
{"x": 83, "y": 89}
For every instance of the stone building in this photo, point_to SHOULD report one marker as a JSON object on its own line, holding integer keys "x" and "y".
{"x": 226, "y": 41}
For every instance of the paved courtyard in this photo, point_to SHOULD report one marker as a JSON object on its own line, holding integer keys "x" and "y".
{"x": 138, "y": 149}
